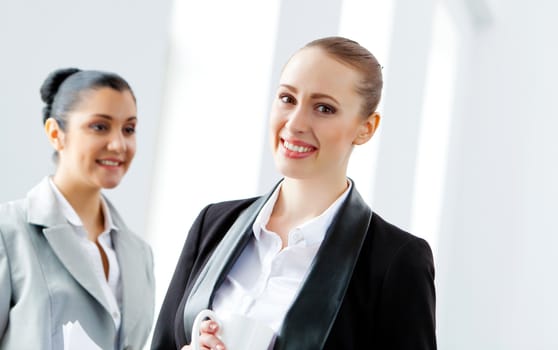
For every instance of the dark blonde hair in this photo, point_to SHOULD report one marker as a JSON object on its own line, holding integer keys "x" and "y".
{"x": 351, "y": 53}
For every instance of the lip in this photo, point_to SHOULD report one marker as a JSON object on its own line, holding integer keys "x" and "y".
{"x": 303, "y": 149}
{"x": 110, "y": 162}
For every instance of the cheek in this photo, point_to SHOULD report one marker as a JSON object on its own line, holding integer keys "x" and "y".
{"x": 275, "y": 122}
{"x": 338, "y": 136}
{"x": 273, "y": 116}
{"x": 132, "y": 147}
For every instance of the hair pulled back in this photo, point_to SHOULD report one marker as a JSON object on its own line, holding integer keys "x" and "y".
{"x": 351, "y": 53}
{"x": 64, "y": 88}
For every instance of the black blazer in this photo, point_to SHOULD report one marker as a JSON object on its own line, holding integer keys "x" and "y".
{"x": 371, "y": 285}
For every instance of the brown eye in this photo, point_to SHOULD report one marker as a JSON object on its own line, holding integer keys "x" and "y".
{"x": 325, "y": 109}
{"x": 99, "y": 127}
{"x": 130, "y": 130}
{"x": 286, "y": 99}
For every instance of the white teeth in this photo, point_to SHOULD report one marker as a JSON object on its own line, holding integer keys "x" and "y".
{"x": 108, "y": 162}
{"x": 295, "y": 148}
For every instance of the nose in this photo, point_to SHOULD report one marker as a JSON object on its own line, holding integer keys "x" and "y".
{"x": 297, "y": 120}
{"x": 117, "y": 143}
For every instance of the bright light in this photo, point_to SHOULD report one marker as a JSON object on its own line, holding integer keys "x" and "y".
{"x": 370, "y": 24}
{"x": 215, "y": 107}
{"x": 434, "y": 130}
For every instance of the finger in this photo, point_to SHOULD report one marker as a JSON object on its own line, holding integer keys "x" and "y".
{"x": 189, "y": 347}
{"x": 209, "y": 326}
{"x": 211, "y": 341}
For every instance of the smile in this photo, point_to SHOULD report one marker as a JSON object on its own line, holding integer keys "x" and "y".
{"x": 109, "y": 162}
{"x": 295, "y": 148}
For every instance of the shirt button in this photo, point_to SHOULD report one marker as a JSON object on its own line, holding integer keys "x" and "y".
{"x": 297, "y": 237}
{"x": 115, "y": 314}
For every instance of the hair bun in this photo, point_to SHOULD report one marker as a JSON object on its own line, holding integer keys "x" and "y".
{"x": 52, "y": 83}
{"x": 50, "y": 88}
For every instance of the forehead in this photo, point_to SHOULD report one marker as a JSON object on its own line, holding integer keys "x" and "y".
{"x": 116, "y": 106}
{"x": 315, "y": 70}
{"x": 108, "y": 101}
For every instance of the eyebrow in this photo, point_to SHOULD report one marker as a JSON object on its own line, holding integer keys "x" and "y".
{"x": 106, "y": 116}
{"x": 314, "y": 95}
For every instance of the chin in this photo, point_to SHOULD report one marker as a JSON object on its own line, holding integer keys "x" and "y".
{"x": 293, "y": 172}
{"x": 110, "y": 187}
{"x": 110, "y": 184}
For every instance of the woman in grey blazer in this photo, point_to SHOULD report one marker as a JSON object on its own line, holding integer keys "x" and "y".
{"x": 72, "y": 275}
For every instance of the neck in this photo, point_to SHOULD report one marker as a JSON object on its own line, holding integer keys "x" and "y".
{"x": 306, "y": 199}
{"x": 87, "y": 204}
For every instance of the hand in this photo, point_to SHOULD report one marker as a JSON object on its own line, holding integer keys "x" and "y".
{"x": 208, "y": 337}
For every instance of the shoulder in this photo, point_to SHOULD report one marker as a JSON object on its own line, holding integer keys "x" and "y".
{"x": 390, "y": 244}
{"x": 9, "y": 209}
{"x": 16, "y": 234}
{"x": 129, "y": 236}
{"x": 390, "y": 234}
{"x": 119, "y": 222}
{"x": 13, "y": 215}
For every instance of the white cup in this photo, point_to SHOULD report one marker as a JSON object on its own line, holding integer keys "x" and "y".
{"x": 237, "y": 332}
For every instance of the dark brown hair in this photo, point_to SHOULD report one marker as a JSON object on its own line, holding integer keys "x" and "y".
{"x": 63, "y": 89}
{"x": 351, "y": 53}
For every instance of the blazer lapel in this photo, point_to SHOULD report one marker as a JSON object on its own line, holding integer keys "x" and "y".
{"x": 42, "y": 209}
{"x": 311, "y": 316}
{"x": 221, "y": 261}
{"x": 65, "y": 244}
{"x": 132, "y": 279}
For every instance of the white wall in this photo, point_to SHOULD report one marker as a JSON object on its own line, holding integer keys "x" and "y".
{"x": 497, "y": 261}
{"x": 215, "y": 108}
{"x": 127, "y": 37}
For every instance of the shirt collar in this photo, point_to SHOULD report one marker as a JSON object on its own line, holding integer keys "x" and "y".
{"x": 71, "y": 215}
{"x": 313, "y": 230}
{"x": 265, "y": 212}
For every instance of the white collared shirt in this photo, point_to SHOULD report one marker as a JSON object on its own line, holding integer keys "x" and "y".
{"x": 112, "y": 288}
{"x": 265, "y": 279}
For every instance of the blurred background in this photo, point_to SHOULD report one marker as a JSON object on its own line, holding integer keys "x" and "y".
{"x": 466, "y": 155}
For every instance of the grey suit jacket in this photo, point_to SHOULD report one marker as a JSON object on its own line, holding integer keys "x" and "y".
{"x": 46, "y": 280}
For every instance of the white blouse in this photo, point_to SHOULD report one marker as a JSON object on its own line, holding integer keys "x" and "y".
{"x": 265, "y": 279}
{"x": 112, "y": 287}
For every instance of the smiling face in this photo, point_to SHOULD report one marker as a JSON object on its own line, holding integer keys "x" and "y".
{"x": 316, "y": 117}
{"x": 99, "y": 142}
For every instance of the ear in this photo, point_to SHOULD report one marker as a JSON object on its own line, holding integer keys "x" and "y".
{"x": 54, "y": 133}
{"x": 367, "y": 129}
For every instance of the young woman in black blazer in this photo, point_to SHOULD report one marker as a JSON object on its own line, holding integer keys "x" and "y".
{"x": 309, "y": 259}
